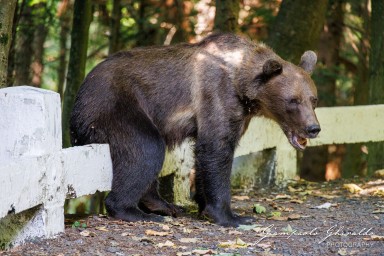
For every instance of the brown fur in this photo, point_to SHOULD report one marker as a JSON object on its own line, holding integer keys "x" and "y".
{"x": 148, "y": 98}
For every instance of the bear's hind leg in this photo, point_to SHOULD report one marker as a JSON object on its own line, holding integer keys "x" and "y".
{"x": 152, "y": 202}
{"x": 137, "y": 151}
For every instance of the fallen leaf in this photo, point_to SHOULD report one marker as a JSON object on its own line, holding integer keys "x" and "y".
{"x": 287, "y": 209}
{"x": 235, "y": 232}
{"x": 203, "y": 251}
{"x": 294, "y": 216}
{"x": 342, "y": 252}
{"x": 288, "y": 229}
{"x": 87, "y": 233}
{"x": 187, "y": 231}
{"x": 325, "y": 196}
{"x": 323, "y": 206}
{"x": 352, "y": 188}
{"x": 264, "y": 245}
{"x": 165, "y": 227}
{"x": 188, "y": 240}
{"x": 150, "y": 232}
{"x": 143, "y": 239}
{"x": 102, "y": 228}
{"x": 374, "y": 238}
{"x": 379, "y": 192}
{"x": 257, "y": 208}
{"x": 274, "y": 214}
{"x": 282, "y": 196}
{"x": 240, "y": 198}
{"x": 166, "y": 244}
{"x": 306, "y": 192}
{"x": 280, "y": 218}
{"x": 296, "y": 201}
{"x": 379, "y": 174}
{"x": 292, "y": 189}
{"x": 183, "y": 253}
{"x": 238, "y": 243}
{"x": 248, "y": 227}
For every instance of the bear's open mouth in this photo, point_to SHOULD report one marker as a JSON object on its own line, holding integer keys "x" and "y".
{"x": 298, "y": 142}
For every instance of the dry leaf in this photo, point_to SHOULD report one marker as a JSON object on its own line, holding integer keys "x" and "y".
{"x": 183, "y": 253}
{"x": 264, "y": 245}
{"x": 352, "y": 188}
{"x": 87, "y": 233}
{"x": 342, "y": 252}
{"x": 234, "y": 232}
{"x": 292, "y": 189}
{"x": 294, "y": 216}
{"x": 187, "y": 231}
{"x": 379, "y": 192}
{"x": 280, "y": 218}
{"x": 188, "y": 240}
{"x": 379, "y": 174}
{"x": 296, "y": 201}
{"x": 238, "y": 243}
{"x": 240, "y": 198}
{"x": 166, "y": 244}
{"x": 374, "y": 238}
{"x": 204, "y": 252}
{"x": 282, "y": 196}
{"x": 306, "y": 192}
{"x": 150, "y": 232}
{"x": 102, "y": 228}
{"x": 323, "y": 206}
{"x": 165, "y": 227}
{"x": 325, "y": 196}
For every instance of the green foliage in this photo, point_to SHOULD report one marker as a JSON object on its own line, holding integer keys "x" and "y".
{"x": 78, "y": 224}
{"x": 4, "y": 38}
{"x": 257, "y": 208}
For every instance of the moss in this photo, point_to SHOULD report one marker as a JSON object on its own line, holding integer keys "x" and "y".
{"x": 4, "y": 38}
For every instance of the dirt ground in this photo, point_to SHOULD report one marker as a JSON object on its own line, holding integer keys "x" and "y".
{"x": 333, "y": 218}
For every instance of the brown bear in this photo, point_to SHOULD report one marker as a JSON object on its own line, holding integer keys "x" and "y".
{"x": 144, "y": 100}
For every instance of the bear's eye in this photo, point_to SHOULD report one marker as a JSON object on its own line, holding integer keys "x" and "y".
{"x": 314, "y": 102}
{"x": 294, "y": 101}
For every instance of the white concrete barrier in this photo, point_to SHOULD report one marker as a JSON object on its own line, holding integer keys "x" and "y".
{"x": 36, "y": 174}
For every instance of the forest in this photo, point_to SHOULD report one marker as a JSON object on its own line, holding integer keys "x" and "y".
{"x": 52, "y": 44}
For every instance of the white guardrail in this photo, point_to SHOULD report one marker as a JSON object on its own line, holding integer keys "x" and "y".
{"x": 37, "y": 175}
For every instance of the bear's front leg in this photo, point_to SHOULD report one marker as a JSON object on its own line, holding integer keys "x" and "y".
{"x": 214, "y": 156}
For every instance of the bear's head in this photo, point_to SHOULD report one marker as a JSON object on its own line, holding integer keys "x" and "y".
{"x": 287, "y": 94}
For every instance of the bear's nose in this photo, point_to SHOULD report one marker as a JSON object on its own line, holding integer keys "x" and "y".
{"x": 313, "y": 130}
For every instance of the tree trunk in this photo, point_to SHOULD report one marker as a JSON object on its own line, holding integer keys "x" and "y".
{"x": 177, "y": 13}
{"x": 291, "y": 37}
{"x": 23, "y": 47}
{"x": 354, "y": 162}
{"x": 114, "y": 44}
{"x": 376, "y": 79}
{"x": 7, "y": 10}
{"x": 315, "y": 160}
{"x": 65, "y": 15}
{"x": 297, "y": 27}
{"x": 227, "y": 15}
{"x": 78, "y": 54}
{"x": 11, "y": 54}
{"x": 40, "y": 12}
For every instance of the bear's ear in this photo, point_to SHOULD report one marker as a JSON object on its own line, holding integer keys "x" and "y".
{"x": 308, "y": 61}
{"x": 272, "y": 68}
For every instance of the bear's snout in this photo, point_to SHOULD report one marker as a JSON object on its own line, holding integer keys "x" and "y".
{"x": 313, "y": 130}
